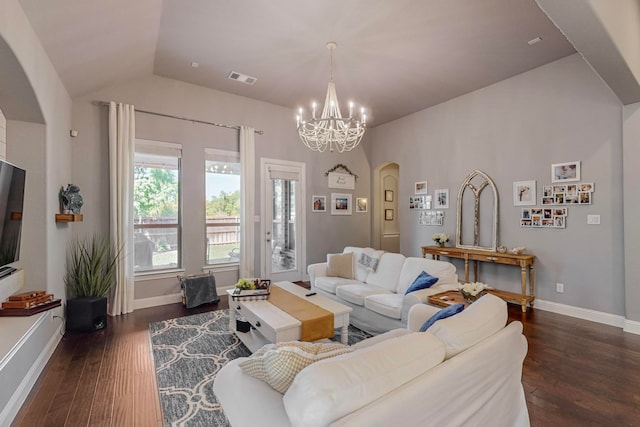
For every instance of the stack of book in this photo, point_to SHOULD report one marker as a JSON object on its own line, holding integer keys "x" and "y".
{"x": 28, "y": 303}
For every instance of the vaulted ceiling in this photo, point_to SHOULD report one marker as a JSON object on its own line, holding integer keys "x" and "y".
{"x": 393, "y": 57}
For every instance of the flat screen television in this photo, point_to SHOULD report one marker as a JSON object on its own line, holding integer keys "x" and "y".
{"x": 12, "y": 181}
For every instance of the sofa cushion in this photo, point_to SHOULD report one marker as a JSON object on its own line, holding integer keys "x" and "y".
{"x": 359, "y": 272}
{"x": 481, "y": 319}
{"x": 356, "y": 294}
{"x": 340, "y": 265}
{"x": 389, "y": 305}
{"x": 368, "y": 262}
{"x": 388, "y": 271}
{"x": 376, "y": 339}
{"x": 330, "y": 389}
{"x": 278, "y": 364}
{"x": 442, "y": 314}
{"x": 329, "y": 284}
{"x": 444, "y": 271}
{"x": 423, "y": 281}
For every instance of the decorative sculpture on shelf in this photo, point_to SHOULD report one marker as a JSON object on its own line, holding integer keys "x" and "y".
{"x": 70, "y": 199}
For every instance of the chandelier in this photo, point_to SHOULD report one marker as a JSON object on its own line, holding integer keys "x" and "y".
{"x": 331, "y": 129}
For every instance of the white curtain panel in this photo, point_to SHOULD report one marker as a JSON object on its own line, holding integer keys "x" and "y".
{"x": 247, "y": 202}
{"x": 122, "y": 127}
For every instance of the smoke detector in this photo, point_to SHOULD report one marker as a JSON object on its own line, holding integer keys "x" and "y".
{"x": 242, "y": 78}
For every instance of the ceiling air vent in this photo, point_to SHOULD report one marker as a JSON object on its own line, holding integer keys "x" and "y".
{"x": 242, "y": 78}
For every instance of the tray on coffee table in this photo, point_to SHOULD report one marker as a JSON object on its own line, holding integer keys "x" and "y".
{"x": 445, "y": 299}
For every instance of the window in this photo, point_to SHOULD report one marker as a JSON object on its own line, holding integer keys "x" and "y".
{"x": 222, "y": 204}
{"x": 156, "y": 202}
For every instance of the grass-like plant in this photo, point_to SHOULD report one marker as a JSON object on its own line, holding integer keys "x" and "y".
{"x": 91, "y": 267}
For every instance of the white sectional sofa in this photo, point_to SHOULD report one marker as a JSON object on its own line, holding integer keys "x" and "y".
{"x": 378, "y": 297}
{"x": 466, "y": 370}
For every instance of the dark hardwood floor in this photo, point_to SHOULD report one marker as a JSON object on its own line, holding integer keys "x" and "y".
{"x": 577, "y": 373}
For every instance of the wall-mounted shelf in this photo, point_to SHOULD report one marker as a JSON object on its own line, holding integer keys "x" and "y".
{"x": 69, "y": 217}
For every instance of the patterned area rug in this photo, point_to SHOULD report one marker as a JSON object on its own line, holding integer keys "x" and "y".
{"x": 187, "y": 353}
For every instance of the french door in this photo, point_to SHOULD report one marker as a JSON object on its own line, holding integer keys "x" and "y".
{"x": 283, "y": 255}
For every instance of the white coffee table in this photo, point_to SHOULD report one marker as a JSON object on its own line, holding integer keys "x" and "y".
{"x": 270, "y": 324}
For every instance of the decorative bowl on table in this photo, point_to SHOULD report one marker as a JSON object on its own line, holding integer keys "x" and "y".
{"x": 473, "y": 291}
{"x": 252, "y": 289}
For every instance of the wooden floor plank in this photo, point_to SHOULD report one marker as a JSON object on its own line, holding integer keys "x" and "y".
{"x": 576, "y": 373}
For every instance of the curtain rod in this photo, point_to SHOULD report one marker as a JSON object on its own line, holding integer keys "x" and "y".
{"x": 106, "y": 104}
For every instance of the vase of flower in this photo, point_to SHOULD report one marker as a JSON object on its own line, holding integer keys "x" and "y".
{"x": 440, "y": 239}
{"x": 471, "y": 292}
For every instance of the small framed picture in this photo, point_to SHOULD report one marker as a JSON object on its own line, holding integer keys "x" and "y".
{"x": 584, "y": 197}
{"x": 421, "y": 187}
{"x": 441, "y": 199}
{"x": 585, "y": 186}
{"x": 388, "y": 214}
{"x": 524, "y": 193}
{"x": 561, "y": 172}
{"x": 318, "y": 204}
{"x": 361, "y": 204}
{"x": 388, "y": 195}
{"x": 340, "y": 204}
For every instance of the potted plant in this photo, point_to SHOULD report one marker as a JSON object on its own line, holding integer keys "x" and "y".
{"x": 90, "y": 274}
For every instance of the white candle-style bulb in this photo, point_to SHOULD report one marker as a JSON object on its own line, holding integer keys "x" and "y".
{"x": 351, "y": 109}
{"x": 313, "y": 114}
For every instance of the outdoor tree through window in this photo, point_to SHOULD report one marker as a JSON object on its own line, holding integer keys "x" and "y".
{"x": 156, "y": 203}
{"x": 222, "y": 203}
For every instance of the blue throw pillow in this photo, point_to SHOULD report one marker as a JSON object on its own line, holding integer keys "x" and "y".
{"x": 442, "y": 314}
{"x": 423, "y": 281}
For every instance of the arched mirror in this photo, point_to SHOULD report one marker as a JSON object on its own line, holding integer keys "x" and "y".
{"x": 477, "y": 225}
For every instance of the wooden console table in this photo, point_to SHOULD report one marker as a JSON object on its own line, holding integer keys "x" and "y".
{"x": 524, "y": 261}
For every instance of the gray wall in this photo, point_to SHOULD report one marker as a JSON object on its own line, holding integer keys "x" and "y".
{"x": 513, "y": 131}
{"x": 38, "y": 111}
{"x": 631, "y": 128}
{"x": 325, "y": 233}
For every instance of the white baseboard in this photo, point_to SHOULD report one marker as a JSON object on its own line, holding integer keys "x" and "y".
{"x": 22, "y": 391}
{"x": 156, "y": 301}
{"x": 631, "y": 326}
{"x": 585, "y": 314}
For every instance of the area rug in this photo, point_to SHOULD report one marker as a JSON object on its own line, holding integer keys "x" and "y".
{"x": 187, "y": 354}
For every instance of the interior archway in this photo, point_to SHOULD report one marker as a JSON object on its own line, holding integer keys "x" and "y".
{"x": 386, "y": 228}
{"x": 17, "y": 97}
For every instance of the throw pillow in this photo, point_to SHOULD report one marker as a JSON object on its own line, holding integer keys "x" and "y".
{"x": 278, "y": 364}
{"x": 368, "y": 262}
{"x": 340, "y": 265}
{"x": 423, "y": 281}
{"x": 442, "y": 314}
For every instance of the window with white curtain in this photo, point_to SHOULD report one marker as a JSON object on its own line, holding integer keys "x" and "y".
{"x": 157, "y": 207}
{"x": 222, "y": 206}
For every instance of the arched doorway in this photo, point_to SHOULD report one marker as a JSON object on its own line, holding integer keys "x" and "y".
{"x": 386, "y": 228}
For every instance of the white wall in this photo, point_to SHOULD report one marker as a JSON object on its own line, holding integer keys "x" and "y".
{"x": 325, "y": 233}
{"x": 513, "y": 131}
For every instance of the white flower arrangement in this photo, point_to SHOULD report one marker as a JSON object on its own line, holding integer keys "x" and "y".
{"x": 440, "y": 238}
{"x": 474, "y": 288}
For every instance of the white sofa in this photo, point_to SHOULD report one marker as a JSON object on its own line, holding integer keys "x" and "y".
{"x": 378, "y": 297}
{"x": 466, "y": 370}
